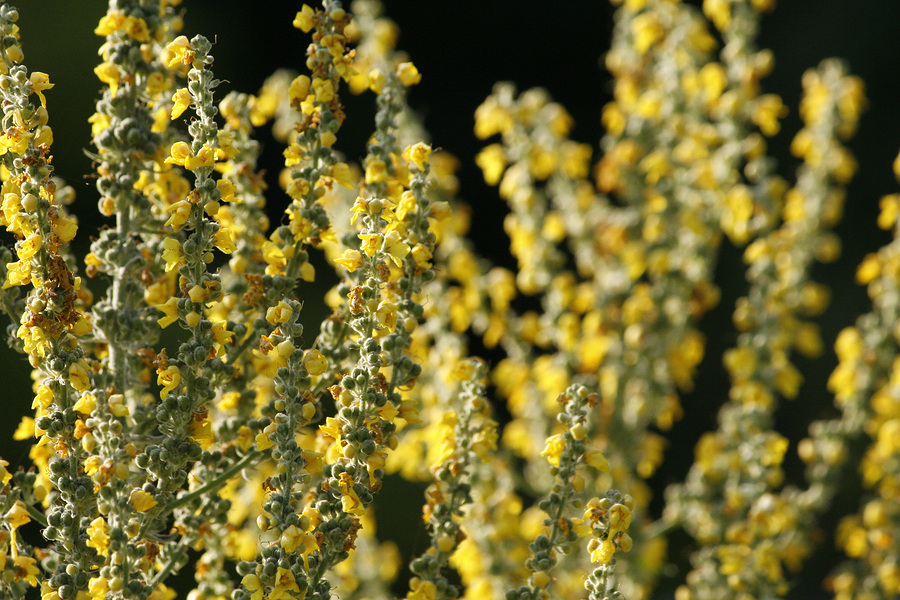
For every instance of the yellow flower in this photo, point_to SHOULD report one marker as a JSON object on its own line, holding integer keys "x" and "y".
{"x": 767, "y": 109}
{"x": 170, "y": 310}
{"x": 65, "y": 228}
{"x": 279, "y": 314}
{"x": 25, "y": 430}
{"x": 181, "y": 51}
{"x": 376, "y": 172}
{"x": 221, "y": 335}
{"x": 98, "y": 536}
{"x": 554, "y": 449}
{"x": 331, "y": 428}
{"x": 110, "y": 23}
{"x": 180, "y": 212}
{"x": 28, "y": 247}
{"x": 14, "y": 53}
{"x": 26, "y": 568}
{"x": 263, "y": 441}
{"x": 305, "y": 19}
{"x": 17, "y": 516}
{"x": 314, "y": 462}
{"x": 98, "y": 588}
{"x": 142, "y": 501}
{"x": 422, "y": 256}
{"x": 252, "y": 583}
{"x": 169, "y": 378}
{"x": 205, "y": 158}
{"x": 137, "y": 28}
{"x": 349, "y": 499}
{"x": 182, "y": 100}
{"x": 324, "y": 89}
{"x": 179, "y": 153}
{"x": 421, "y": 589}
{"x": 603, "y": 553}
{"x": 291, "y": 538}
{"x": 408, "y": 74}
{"x": 42, "y": 398}
{"x": 596, "y": 459}
{"x": 299, "y": 89}
{"x": 396, "y": 248}
{"x": 79, "y": 375}
{"x": 39, "y": 83}
{"x": 386, "y": 315}
{"x": 342, "y": 174}
{"x": 419, "y": 153}
{"x": 16, "y": 140}
{"x": 244, "y": 437}
{"x": 284, "y": 583}
{"x": 226, "y": 189}
{"x": 18, "y": 273}
{"x": 172, "y": 253}
{"x": 5, "y": 475}
{"x": 162, "y": 592}
{"x": 492, "y": 162}
{"x": 307, "y": 272}
{"x": 201, "y": 432}
{"x": 224, "y": 240}
{"x": 371, "y": 242}
{"x": 86, "y": 404}
{"x": 225, "y": 143}
{"x": 350, "y": 260}
{"x": 108, "y": 73}
{"x": 376, "y": 80}
{"x": 314, "y": 362}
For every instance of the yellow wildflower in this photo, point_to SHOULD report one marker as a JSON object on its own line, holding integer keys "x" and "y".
{"x": 79, "y": 375}
{"x": 280, "y": 313}
{"x": 224, "y": 240}
{"x": 169, "y": 378}
{"x": 142, "y": 501}
{"x": 98, "y": 536}
{"x": 172, "y": 253}
{"x": 314, "y": 362}
{"x": 324, "y": 89}
{"x": 179, "y": 153}
{"x": 182, "y": 100}
{"x": 418, "y": 153}
{"x": 554, "y": 449}
{"x": 226, "y": 189}
{"x": 110, "y": 23}
{"x": 350, "y": 260}
{"x": 256, "y": 587}
{"x": 86, "y": 404}
{"x": 284, "y": 583}
{"x": 5, "y": 475}
{"x": 39, "y": 83}
{"x": 305, "y": 19}
{"x": 181, "y": 51}
{"x": 108, "y": 73}
{"x": 180, "y": 212}
{"x": 26, "y": 567}
{"x": 492, "y": 161}
{"x": 408, "y": 74}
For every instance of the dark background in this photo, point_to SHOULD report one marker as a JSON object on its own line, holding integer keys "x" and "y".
{"x": 462, "y": 47}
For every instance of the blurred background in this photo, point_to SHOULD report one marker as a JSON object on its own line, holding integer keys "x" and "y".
{"x": 462, "y": 47}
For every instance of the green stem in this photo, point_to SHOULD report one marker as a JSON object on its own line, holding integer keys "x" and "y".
{"x": 212, "y": 485}
{"x": 207, "y": 488}
{"x": 37, "y": 515}
{"x": 164, "y": 572}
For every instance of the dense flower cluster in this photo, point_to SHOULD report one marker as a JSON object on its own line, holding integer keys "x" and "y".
{"x": 183, "y": 419}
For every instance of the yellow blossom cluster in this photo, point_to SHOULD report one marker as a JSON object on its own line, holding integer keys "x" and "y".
{"x": 187, "y": 419}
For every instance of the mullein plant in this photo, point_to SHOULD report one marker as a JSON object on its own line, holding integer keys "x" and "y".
{"x": 253, "y": 454}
